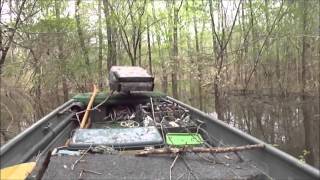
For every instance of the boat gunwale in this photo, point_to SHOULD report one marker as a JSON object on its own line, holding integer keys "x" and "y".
{"x": 285, "y": 157}
{"x": 270, "y": 149}
{"x": 6, "y": 147}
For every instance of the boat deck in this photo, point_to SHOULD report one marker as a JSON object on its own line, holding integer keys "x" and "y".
{"x": 126, "y": 166}
{"x": 131, "y": 123}
{"x": 167, "y": 116}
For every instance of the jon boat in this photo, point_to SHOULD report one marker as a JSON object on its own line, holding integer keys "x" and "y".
{"x": 136, "y": 133}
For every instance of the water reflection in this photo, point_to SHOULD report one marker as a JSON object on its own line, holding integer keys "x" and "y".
{"x": 278, "y": 121}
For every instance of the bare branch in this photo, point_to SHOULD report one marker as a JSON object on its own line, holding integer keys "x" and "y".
{"x": 275, "y": 22}
{"x": 6, "y": 47}
{"x": 171, "y": 150}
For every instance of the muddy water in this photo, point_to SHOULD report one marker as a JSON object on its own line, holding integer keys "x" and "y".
{"x": 278, "y": 121}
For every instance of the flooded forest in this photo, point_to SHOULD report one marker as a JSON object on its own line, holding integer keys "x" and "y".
{"x": 254, "y": 64}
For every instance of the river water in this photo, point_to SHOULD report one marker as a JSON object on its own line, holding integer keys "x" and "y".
{"x": 277, "y": 121}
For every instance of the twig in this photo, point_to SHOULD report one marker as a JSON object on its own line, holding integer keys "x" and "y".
{"x": 182, "y": 175}
{"x": 172, "y": 165}
{"x": 78, "y": 119}
{"x": 190, "y": 169}
{"x": 152, "y": 109}
{"x": 277, "y": 19}
{"x": 154, "y": 120}
{"x": 199, "y": 150}
{"x": 75, "y": 163}
{"x": 88, "y": 171}
{"x": 80, "y": 174}
{"x": 93, "y": 172}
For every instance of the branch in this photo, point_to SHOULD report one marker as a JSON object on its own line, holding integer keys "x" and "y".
{"x": 232, "y": 27}
{"x": 4, "y": 50}
{"x": 277, "y": 19}
{"x": 228, "y": 39}
{"x": 200, "y": 150}
{"x": 125, "y": 41}
{"x": 213, "y": 26}
{"x": 181, "y": 2}
{"x": 11, "y": 115}
{"x": 139, "y": 27}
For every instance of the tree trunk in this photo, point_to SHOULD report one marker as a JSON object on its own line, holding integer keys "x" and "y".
{"x": 114, "y": 60}
{"x": 62, "y": 61}
{"x": 307, "y": 120}
{"x": 1, "y": 64}
{"x": 268, "y": 54}
{"x": 149, "y": 49}
{"x": 111, "y": 42}
{"x": 254, "y": 44}
{"x": 278, "y": 70}
{"x": 5, "y": 46}
{"x": 133, "y": 39}
{"x": 191, "y": 73}
{"x": 164, "y": 77}
{"x": 175, "y": 52}
{"x": 199, "y": 63}
{"x": 319, "y": 56}
{"x": 216, "y": 93}
{"x": 140, "y": 53}
{"x": 245, "y": 44}
{"x": 100, "y": 46}
{"x": 81, "y": 37}
{"x": 39, "y": 112}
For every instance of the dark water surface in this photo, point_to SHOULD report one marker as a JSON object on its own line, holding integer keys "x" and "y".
{"x": 278, "y": 121}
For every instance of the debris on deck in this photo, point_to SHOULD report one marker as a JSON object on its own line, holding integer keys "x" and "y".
{"x": 189, "y": 166}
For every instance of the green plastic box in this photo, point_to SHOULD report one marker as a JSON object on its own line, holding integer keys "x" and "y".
{"x": 183, "y": 139}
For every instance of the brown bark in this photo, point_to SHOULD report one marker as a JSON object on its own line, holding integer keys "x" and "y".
{"x": 164, "y": 77}
{"x": 219, "y": 52}
{"x": 131, "y": 44}
{"x": 319, "y": 56}
{"x": 149, "y": 49}
{"x": 39, "y": 112}
{"x": 62, "y": 63}
{"x": 140, "y": 51}
{"x": 1, "y": 64}
{"x": 199, "y": 63}
{"x": 100, "y": 46}
{"x": 84, "y": 121}
{"x": 171, "y": 150}
{"x": 277, "y": 19}
{"x": 5, "y": 47}
{"x": 191, "y": 74}
{"x": 254, "y": 45}
{"x": 215, "y": 38}
{"x": 175, "y": 50}
{"x": 81, "y": 36}
{"x": 307, "y": 120}
{"x": 110, "y": 34}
